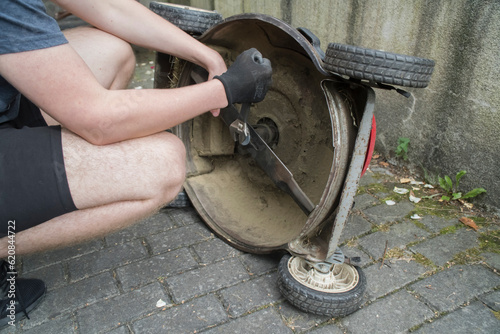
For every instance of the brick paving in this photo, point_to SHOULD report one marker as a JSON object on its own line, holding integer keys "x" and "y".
{"x": 437, "y": 277}
{"x": 112, "y": 285}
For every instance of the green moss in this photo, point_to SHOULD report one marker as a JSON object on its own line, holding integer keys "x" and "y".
{"x": 361, "y": 190}
{"x": 372, "y": 188}
{"x": 381, "y": 228}
{"x": 449, "y": 229}
{"x": 480, "y": 220}
{"x": 419, "y": 258}
{"x": 395, "y": 197}
{"x": 398, "y": 253}
{"x": 490, "y": 242}
{"x": 435, "y": 208}
{"x": 467, "y": 257}
{"x": 420, "y": 225}
{"x": 377, "y": 188}
{"x": 414, "y": 328}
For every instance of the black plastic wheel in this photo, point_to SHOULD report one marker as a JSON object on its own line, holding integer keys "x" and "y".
{"x": 310, "y": 300}
{"x": 378, "y": 66}
{"x": 191, "y": 20}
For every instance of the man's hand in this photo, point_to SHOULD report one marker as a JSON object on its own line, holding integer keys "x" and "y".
{"x": 248, "y": 79}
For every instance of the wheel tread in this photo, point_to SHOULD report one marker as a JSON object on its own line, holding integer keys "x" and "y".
{"x": 190, "y": 21}
{"x": 378, "y": 66}
{"x": 308, "y": 300}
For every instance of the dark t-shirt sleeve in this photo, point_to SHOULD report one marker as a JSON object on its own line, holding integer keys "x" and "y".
{"x": 25, "y": 26}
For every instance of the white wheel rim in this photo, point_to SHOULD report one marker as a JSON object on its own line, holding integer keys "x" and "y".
{"x": 342, "y": 278}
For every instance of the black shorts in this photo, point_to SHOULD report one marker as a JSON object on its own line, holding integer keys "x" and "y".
{"x": 33, "y": 183}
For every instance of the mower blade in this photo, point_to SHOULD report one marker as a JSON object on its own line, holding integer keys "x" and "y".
{"x": 269, "y": 162}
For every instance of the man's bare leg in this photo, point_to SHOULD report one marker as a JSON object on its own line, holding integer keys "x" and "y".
{"x": 113, "y": 185}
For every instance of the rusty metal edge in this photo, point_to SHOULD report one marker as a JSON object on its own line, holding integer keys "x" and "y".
{"x": 354, "y": 173}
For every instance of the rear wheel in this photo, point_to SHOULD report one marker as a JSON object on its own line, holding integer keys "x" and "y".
{"x": 335, "y": 293}
{"x": 191, "y": 20}
{"x": 378, "y": 66}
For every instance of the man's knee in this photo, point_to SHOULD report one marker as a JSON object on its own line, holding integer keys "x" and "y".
{"x": 171, "y": 166}
{"x": 111, "y": 59}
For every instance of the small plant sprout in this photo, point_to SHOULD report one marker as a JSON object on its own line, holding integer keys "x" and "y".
{"x": 452, "y": 192}
{"x": 402, "y": 148}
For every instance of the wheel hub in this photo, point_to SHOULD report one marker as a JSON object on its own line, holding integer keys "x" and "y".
{"x": 341, "y": 278}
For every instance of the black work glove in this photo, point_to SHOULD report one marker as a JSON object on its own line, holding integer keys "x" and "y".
{"x": 248, "y": 78}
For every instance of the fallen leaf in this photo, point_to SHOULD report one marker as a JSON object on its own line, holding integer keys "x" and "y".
{"x": 416, "y": 182}
{"x": 466, "y": 204}
{"x": 400, "y": 190}
{"x": 405, "y": 180}
{"x": 428, "y": 186}
{"x": 469, "y": 222}
{"x": 384, "y": 164}
{"x": 376, "y": 156}
{"x": 415, "y": 216}
{"x": 390, "y": 202}
{"x": 413, "y": 198}
{"x": 160, "y": 303}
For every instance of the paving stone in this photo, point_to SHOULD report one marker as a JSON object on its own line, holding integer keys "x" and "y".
{"x": 119, "y": 330}
{"x": 190, "y": 317}
{"x": 353, "y": 252}
{"x": 38, "y": 260}
{"x": 96, "y": 262}
{"x": 62, "y": 324}
{"x": 492, "y": 300}
{"x": 72, "y": 297}
{"x": 453, "y": 287}
{"x": 263, "y": 321}
{"x": 436, "y": 224}
{"x": 355, "y": 226}
{"x": 260, "y": 264}
{"x": 8, "y": 329}
{"x": 298, "y": 320}
{"x": 113, "y": 312}
{"x": 382, "y": 281}
{"x": 368, "y": 178}
{"x": 156, "y": 268}
{"x": 52, "y": 276}
{"x": 328, "y": 329}
{"x": 396, "y": 313}
{"x": 178, "y": 237}
{"x": 492, "y": 259}
{"x": 157, "y": 223}
{"x": 250, "y": 295}
{"x": 364, "y": 201}
{"x": 397, "y": 236}
{"x": 383, "y": 214}
{"x": 379, "y": 171}
{"x": 475, "y": 318}
{"x": 185, "y": 216}
{"x": 443, "y": 248}
{"x": 143, "y": 70}
{"x": 206, "y": 279}
{"x": 214, "y": 250}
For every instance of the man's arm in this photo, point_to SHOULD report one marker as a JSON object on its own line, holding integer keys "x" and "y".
{"x": 136, "y": 24}
{"x": 59, "y": 82}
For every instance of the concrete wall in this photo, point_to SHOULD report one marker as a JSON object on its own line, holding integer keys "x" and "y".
{"x": 454, "y": 124}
